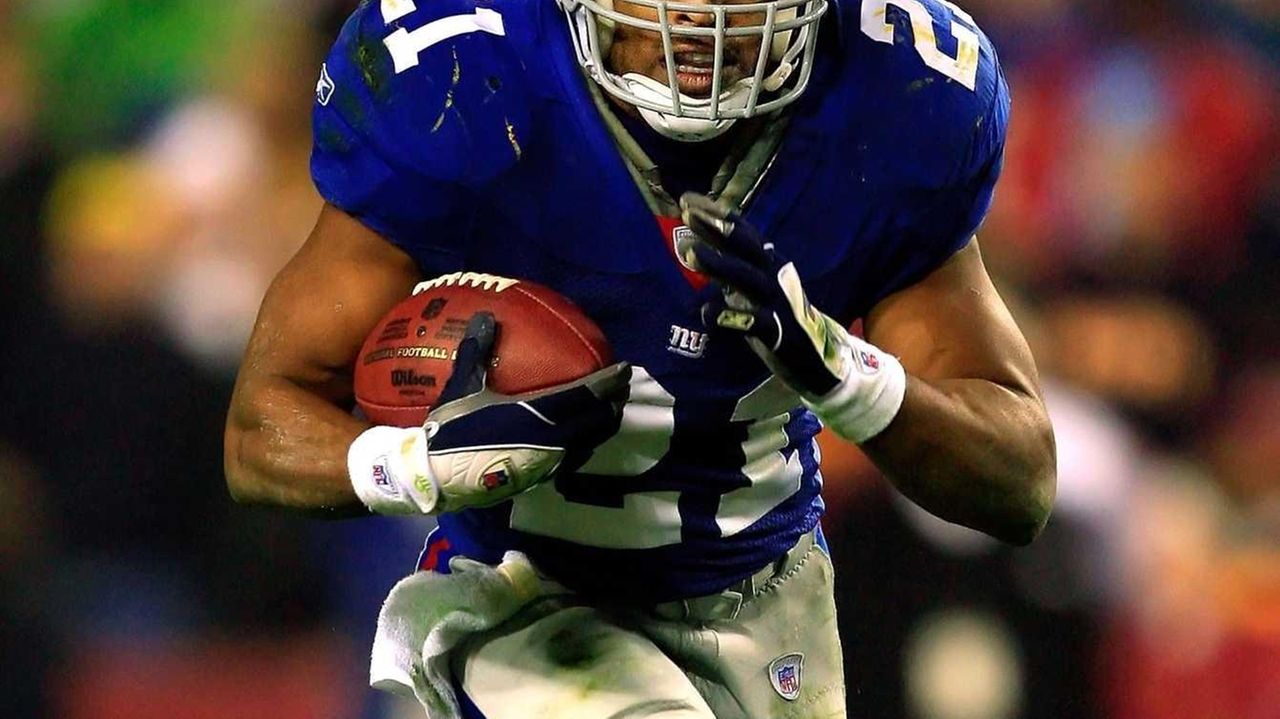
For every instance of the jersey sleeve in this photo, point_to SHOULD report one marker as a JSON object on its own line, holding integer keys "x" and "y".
{"x": 394, "y": 138}
{"x": 938, "y": 218}
{"x": 421, "y": 216}
{"x": 948, "y": 220}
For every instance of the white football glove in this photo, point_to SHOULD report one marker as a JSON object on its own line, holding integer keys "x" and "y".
{"x": 478, "y": 447}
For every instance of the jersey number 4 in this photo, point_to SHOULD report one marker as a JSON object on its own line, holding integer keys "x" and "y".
{"x": 963, "y": 68}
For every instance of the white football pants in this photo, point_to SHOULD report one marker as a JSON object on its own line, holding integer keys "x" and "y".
{"x": 771, "y": 654}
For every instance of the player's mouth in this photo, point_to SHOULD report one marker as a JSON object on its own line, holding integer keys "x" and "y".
{"x": 695, "y": 71}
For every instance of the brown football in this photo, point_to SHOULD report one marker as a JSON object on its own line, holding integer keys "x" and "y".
{"x": 543, "y": 340}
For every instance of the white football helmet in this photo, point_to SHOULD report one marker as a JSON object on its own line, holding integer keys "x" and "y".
{"x": 788, "y": 38}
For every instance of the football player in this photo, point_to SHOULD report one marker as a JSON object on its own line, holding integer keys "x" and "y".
{"x": 724, "y": 188}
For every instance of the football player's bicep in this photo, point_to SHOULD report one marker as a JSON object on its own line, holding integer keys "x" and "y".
{"x": 324, "y": 302}
{"x": 953, "y": 325}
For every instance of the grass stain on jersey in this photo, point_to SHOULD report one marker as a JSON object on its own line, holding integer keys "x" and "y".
{"x": 331, "y": 138}
{"x": 511, "y": 138}
{"x": 351, "y": 109}
{"x": 448, "y": 95}
{"x": 919, "y": 85}
{"x": 373, "y": 72}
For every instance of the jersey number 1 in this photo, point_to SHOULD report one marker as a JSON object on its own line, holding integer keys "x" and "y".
{"x": 405, "y": 46}
{"x": 963, "y": 68}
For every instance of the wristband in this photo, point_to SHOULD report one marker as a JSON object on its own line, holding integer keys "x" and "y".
{"x": 869, "y": 394}
{"x": 390, "y": 471}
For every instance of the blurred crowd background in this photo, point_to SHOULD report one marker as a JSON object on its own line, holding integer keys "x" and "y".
{"x": 153, "y": 177}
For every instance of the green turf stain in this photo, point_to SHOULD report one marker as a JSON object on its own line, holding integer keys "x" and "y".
{"x": 370, "y": 58}
{"x": 330, "y": 138}
{"x": 351, "y": 109}
{"x": 455, "y": 77}
{"x": 512, "y": 139}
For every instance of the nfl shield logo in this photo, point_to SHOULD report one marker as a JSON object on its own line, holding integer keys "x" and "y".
{"x": 682, "y": 238}
{"x": 494, "y": 479}
{"x": 868, "y": 363}
{"x": 784, "y": 674}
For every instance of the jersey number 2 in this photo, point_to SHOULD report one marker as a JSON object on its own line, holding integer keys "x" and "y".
{"x": 963, "y": 68}
{"x": 649, "y": 519}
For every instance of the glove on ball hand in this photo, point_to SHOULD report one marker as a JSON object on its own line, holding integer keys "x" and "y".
{"x": 478, "y": 447}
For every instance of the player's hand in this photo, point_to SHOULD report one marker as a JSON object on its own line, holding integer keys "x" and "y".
{"x": 479, "y": 447}
{"x": 851, "y": 385}
{"x": 761, "y": 298}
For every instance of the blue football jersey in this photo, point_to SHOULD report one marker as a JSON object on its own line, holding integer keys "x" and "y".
{"x": 465, "y": 133}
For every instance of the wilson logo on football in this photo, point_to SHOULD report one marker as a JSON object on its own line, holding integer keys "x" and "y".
{"x": 409, "y": 378}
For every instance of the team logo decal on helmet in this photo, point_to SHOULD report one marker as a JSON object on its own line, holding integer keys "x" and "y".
{"x": 787, "y": 37}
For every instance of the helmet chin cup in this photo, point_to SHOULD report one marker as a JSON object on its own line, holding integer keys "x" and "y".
{"x": 683, "y": 128}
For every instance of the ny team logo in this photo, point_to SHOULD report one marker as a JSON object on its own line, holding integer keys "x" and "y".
{"x": 784, "y": 674}
{"x": 686, "y": 342}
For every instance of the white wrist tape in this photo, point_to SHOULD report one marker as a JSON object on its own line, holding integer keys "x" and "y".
{"x": 391, "y": 472}
{"x": 868, "y": 397}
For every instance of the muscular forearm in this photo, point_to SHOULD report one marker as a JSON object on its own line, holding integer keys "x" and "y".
{"x": 288, "y": 430}
{"x": 972, "y": 452}
{"x": 287, "y": 447}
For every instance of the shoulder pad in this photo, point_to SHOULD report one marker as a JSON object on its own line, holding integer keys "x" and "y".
{"x": 433, "y": 87}
{"x": 929, "y": 86}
